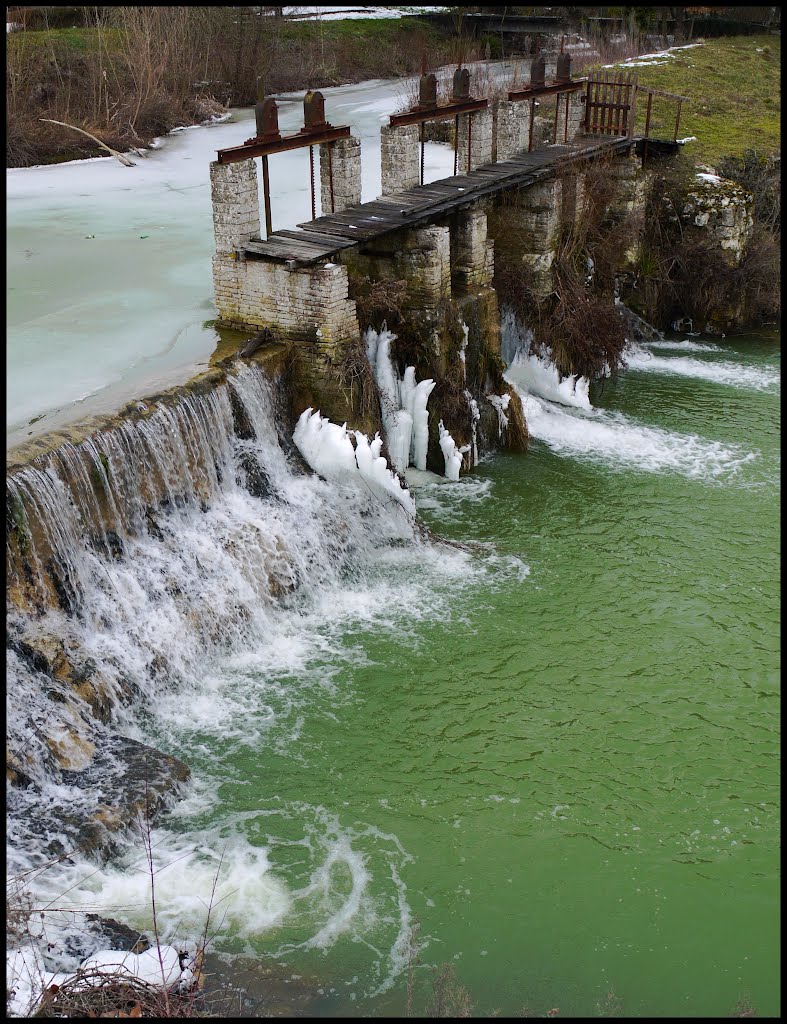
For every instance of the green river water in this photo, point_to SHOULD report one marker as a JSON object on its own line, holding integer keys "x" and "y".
{"x": 566, "y": 777}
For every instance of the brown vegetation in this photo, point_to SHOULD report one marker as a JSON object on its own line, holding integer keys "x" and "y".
{"x": 577, "y": 326}
{"x": 126, "y": 74}
{"x": 683, "y": 273}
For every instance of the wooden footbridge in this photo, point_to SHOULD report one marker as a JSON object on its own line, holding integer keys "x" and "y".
{"x": 297, "y": 281}
{"x": 325, "y": 236}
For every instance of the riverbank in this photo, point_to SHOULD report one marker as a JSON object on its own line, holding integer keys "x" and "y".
{"x": 139, "y": 73}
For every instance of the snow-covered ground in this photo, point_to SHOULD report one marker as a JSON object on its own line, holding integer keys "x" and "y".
{"x": 325, "y": 12}
{"x": 109, "y": 267}
{"x": 650, "y": 59}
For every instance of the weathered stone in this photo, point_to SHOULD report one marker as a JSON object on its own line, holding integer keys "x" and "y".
{"x": 724, "y": 211}
{"x": 400, "y": 165}
{"x": 141, "y": 781}
{"x": 478, "y": 126}
{"x": 472, "y": 257}
{"x": 236, "y": 204}
{"x": 511, "y": 128}
{"x": 342, "y": 160}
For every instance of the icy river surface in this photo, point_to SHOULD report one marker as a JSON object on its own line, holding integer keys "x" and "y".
{"x": 109, "y": 274}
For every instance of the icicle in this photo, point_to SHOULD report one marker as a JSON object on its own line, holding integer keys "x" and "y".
{"x": 500, "y": 404}
{"x": 402, "y": 404}
{"x": 420, "y": 415}
{"x": 452, "y": 455}
{"x": 463, "y": 349}
{"x": 475, "y": 416}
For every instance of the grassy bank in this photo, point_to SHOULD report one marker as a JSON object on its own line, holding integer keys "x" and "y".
{"x": 734, "y": 90}
{"x": 134, "y": 73}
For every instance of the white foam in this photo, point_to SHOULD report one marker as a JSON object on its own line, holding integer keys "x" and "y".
{"x": 717, "y": 371}
{"x": 540, "y": 377}
{"x": 681, "y": 346}
{"x": 621, "y": 443}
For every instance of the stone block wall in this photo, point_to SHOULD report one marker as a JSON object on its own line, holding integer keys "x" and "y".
{"x": 309, "y": 304}
{"x": 472, "y": 254}
{"x": 426, "y": 262}
{"x": 538, "y": 214}
{"x": 399, "y": 158}
{"x": 512, "y": 128}
{"x": 576, "y": 116}
{"x": 631, "y": 196}
{"x": 480, "y": 140}
{"x": 236, "y": 204}
{"x": 343, "y": 157}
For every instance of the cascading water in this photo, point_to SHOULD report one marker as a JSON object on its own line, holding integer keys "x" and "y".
{"x": 559, "y": 411}
{"x": 156, "y": 562}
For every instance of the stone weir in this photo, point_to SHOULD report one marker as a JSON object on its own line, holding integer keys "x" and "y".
{"x": 76, "y": 501}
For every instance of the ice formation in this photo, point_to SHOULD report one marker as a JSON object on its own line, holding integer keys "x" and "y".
{"x": 475, "y": 416}
{"x": 451, "y": 454}
{"x": 463, "y": 348}
{"x": 500, "y": 404}
{"x": 329, "y": 450}
{"x": 402, "y": 403}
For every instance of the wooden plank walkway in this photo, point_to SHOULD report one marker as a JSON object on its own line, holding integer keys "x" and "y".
{"x": 325, "y": 236}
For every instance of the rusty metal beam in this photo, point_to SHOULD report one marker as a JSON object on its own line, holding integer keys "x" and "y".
{"x": 253, "y": 148}
{"x": 438, "y": 113}
{"x": 546, "y": 90}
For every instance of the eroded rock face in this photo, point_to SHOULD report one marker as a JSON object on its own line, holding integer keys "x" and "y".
{"x": 121, "y": 790}
{"x": 723, "y": 209}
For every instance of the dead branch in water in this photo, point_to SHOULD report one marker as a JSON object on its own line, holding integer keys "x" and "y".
{"x": 123, "y": 159}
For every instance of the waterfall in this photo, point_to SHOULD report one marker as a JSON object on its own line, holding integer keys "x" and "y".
{"x": 137, "y": 559}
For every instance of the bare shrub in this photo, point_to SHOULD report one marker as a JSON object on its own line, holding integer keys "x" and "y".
{"x": 760, "y": 174}
{"x": 356, "y": 378}
{"x": 381, "y": 302}
{"x": 683, "y": 273}
{"x": 577, "y": 326}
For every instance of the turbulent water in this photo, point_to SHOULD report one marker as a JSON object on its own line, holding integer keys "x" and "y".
{"x": 554, "y": 754}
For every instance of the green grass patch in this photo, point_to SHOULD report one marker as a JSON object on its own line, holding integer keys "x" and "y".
{"x": 65, "y": 41}
{"x": 734, "y": 90}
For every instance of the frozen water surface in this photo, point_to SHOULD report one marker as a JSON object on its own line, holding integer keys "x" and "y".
{"x": 109, "y": 267}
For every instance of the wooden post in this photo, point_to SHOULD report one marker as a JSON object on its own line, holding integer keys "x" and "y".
{"x": 266, "y": 197}
{"x": 647, "y": 129}
{"x": 633, "y": 108}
